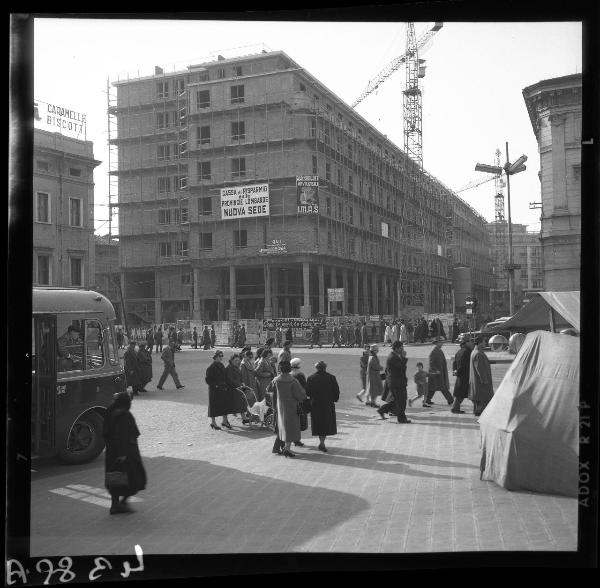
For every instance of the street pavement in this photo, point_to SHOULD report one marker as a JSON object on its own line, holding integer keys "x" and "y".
{"x": 382, "y": 487}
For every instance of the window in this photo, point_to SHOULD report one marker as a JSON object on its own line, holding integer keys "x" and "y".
{"x": 181, "y": 181}
{"x": 75, "y": 212}
{"x": 181, "y": 248}
{"x": 164, "y": 216}
{"x": 162, "y": 89}
{"x": 203, "y": 77}
{"x": 329, "y": 240}
{"x": 314, "y": 164}
{"x": 302, "y": 88}
{"x": 186, "y": 278}
{"x": 164, "y": 185}
{"x": 163, "y": 152}
{"x": 351, "y": 215}
{"x": 237, "y": 94}
{"x": 238, "y": 130}
{"x": 350, "y": 183}
{"x": 43, "y": 270}
{"x": 237, "y": 70}
{"x": 42, "y": 207}
{"x": 205, "y": 241}
{"x": 94, "y": 346}
{"x": 328, "y": 206}
{"x": 203, "y": 98}
{"x": 339, "y": 176}
{"x": 164, "y": 249}
{"x": 76, "y": 271}
{"x": 204, "y": 135}
{"x": 42, "y": 165}
{"x": 162, "y": 120}
{"x": 180, "y": 86}
{"x": 328, "y": 171}
{"x": 183, "y": 212}
{"x": 220, "y": 73}
{"x": 205, "y": 206}
{"x": 313, "y": 127}
{"x": 75, "y": 172}
{"x": 204, "y": 170}
{"x": 240, "y": 238}
{"x": 238, "y": 167}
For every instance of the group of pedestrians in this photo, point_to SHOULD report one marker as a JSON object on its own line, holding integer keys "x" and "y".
{"x": 293, "y": 396}
{"x": 207, "y": 339}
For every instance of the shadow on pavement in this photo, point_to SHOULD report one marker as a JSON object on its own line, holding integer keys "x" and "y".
{"x": 188, "y": 507}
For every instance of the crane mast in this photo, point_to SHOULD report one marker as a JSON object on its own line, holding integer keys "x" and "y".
{"x": 413, "y": 107}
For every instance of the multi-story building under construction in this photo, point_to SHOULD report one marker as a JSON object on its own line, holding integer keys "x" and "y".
{"x": 247, "y": 189}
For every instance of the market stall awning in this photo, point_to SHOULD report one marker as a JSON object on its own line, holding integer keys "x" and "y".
{"x": 536, "y": 314}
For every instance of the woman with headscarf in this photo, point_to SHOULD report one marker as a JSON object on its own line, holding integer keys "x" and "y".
{"x": 122, "y": 451}
{"x": 206, "y": 338}
{"x": 287, "y": 393}
{"x": 323, "y": 390}
{"x": 219, "y": 397}
{"x": 265, "y": 372}
{"x": 374, "y": 381}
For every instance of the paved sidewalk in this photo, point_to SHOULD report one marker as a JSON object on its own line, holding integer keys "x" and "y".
{"x": 383, "y": 487}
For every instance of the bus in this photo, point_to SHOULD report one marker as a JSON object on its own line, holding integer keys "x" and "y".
{"x": 76, "y": 370}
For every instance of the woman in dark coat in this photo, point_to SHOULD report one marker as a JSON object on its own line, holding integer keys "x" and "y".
{"x": 323, "y": 390}
{"x": 460, "y": 367}
{"x": 219, "y": 397}
{"x": 213, "y": 336}
{"x": 233, "y": 374}
{"x": 144, "y": 358}
{"x": 206, "y": 338}
{"x": 289, "y": 335}
{"x": 122, "y": 451}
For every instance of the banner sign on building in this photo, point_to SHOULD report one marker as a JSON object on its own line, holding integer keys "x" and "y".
{"x": 295, "y": 323}
{"x": 307, "y": 191}
{"x": 275, "y": 247}
{"x": 245, "y": 201}
{"x": 335, "y": 294}
{"x": 54, "y": 118}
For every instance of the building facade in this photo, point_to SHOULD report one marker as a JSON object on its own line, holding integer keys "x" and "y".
{"x": 554, "y": 108}
{"x": 107, "y": 275}
{"x": 248, "y": 189}
{"x": 63, "y": 222}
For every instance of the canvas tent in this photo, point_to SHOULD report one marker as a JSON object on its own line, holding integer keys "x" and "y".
{"x": 530, "y": 428}
{"x": 545, "y": 308}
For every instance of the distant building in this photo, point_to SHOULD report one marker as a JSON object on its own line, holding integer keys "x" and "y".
{"x": 527, "y": 252}
{"x": 63, "y": 210}
{"x": 554, "y": 108}
{"x": 107, "y": 279}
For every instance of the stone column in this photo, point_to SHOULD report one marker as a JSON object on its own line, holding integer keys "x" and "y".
{"x": 345, "y": 286}
{"x": 305, "y": 311}
{"x": 355, "y": 291}
{"x": 268, "y": 309}
{"x": 286, "y": 294}
{"x": 197, "y": 314}
{"x": 232, "y": 295}
{"x": 157, "y": 304}
{"x": 332, "y": 284}
{"x": 321, "y": 274}
{"x": 375, "y": 291}
{"x": 398, "y": 297}
{"x": 275, "y": 285}
{"x": 366, "y": 306}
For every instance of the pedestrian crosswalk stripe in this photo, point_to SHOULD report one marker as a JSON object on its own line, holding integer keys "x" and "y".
{"x": 89, "y": 494}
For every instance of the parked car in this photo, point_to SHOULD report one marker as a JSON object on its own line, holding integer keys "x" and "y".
{"x": 487, "y": 331}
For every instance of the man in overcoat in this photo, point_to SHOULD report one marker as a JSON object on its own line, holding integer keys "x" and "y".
{"x": 168, "y": 357}
{"x": 144, "y": 358}
{"x": 364, "y": 336}
{"x": 481, "y": 390}
{"x": 461, "y": 367}
{"x": 195, "y": 337}
{"x": 150, "y": 339}
{"x": 323, "y": 390}
{"x": 438, "y": 373}
{"x": 315, "y": 337}
{"x": 158, "y": 340}
{"x": 357, "y": 337}
{"x": 336, "y": 336}
{"x": 213, "y": 336}
{"x": 132, "y": 368}
{"x": 396, "y": 381}
{"x": 206, "y": 338}
{"x": 343, "y": 335}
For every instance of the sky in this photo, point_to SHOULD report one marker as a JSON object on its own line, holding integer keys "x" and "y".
{"x": 472, "y": 90}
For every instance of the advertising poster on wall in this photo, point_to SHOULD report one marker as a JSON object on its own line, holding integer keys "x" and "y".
{"x": 245, "y": 201}
{"x": 307, "y": 192}
{"x": 59, "y": 119}
{"x": 295, "y": 323}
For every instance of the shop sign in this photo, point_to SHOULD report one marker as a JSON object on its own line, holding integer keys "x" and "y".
{"x": 375, "y": 318}
{"x": 295, "y": 323}
{"x": 245, "y": 201}
{"x": 307, "y": 193}
{"x": 275, "y": 247}
{"x": 335, "y": 294}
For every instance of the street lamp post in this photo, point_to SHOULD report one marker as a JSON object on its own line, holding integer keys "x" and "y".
{"x": 510, "y": 169}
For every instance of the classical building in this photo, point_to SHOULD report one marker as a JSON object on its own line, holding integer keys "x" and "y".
{"x": 63, "y": 205}
{"x": 246, "y": 188}
{"x": 554, "y": 108}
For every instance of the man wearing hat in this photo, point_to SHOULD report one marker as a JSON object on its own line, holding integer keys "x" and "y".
{"x": 144, "y": 359}
{"x": 396, "y": 379}
{"x": 132, "y": 368}
{"x": 70, "y": 350}
{"x": 460, "y": 368}
{"x": 438, "y": 373}
{"x": 168, "y": 357}
{"x": 481, "y": 390}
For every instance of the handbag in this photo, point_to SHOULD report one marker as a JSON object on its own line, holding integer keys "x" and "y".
{"x": 306, "y": 406}
{"x": 303, "y": 417}
{"x": 116, "y": 480}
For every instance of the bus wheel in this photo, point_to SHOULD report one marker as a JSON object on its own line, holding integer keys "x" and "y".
{"x": 85, "y": 441}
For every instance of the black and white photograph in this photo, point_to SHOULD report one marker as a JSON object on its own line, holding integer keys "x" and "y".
{"x": 303, "y": 298}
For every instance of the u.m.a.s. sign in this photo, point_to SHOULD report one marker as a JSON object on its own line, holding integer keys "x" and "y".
{"x": 245, "y": 201}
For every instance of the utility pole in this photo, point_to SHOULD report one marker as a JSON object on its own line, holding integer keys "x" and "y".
{"x": 511, "y": 270}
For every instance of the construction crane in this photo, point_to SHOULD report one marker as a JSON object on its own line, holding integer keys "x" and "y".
{"x": 415, "y": 69}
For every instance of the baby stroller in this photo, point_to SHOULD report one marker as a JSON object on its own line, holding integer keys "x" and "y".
{"x": 255, "y": 412}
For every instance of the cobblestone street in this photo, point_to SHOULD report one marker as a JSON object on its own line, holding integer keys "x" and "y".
{"x": 383, "y": 487}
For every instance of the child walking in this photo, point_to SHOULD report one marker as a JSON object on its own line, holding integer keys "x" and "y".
{"x": 421, "y": 381}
